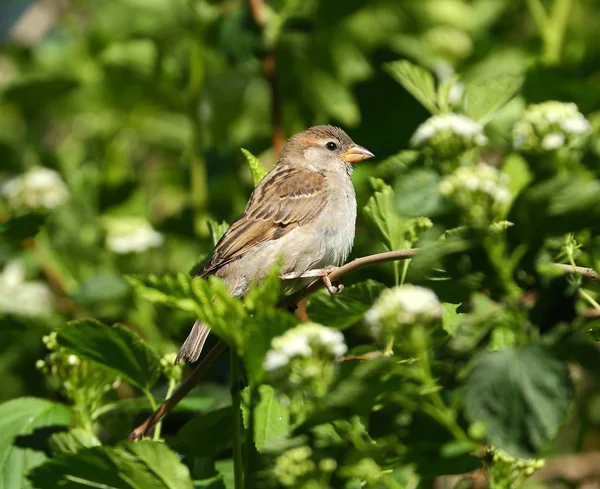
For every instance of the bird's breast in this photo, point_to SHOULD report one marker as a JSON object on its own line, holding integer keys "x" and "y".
{"x": 336, "y": 226}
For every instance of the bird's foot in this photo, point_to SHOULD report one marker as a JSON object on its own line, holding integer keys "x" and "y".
{"x": 323, "y": 274}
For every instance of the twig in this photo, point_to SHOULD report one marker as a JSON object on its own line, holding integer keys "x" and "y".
{"x": 183, "y": 390}
{"x": 589, "y": 273}
{"x": 335, "y": 275}
{"x": 259, "y": 14}
{"x": 339, "y": 272}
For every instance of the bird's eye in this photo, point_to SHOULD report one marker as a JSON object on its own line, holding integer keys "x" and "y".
{"x": 331, "y": 146}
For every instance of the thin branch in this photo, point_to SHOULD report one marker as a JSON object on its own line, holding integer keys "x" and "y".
{"x": 335, "y": 275}
{"x": 183, "y": 390}
{"x": 259, "y": 14}
{"x": 339, "y": 272}
{"x": 588, "y": 273}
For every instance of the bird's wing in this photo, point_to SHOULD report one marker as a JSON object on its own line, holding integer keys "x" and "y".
{"x": 286, "y": 199}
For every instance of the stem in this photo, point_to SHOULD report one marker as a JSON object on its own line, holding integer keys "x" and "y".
{"x": 590, "y": 299}
{"x": 404, "y": 271}
{"x": 183, "y": 390}
{"x": 250, "y": 447}
{"x": 153, "y": 405}
{"x": 555, "y": 31}
{"x": 437, "y": 408}
{"x": 551, "y": 27}
{"x": 258, "y": 10}
{"x": 236, "y": 403}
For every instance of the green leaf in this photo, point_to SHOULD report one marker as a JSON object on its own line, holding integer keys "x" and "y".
{"x": 140, "y": 465}
{"x": 257, "y": 333}
{"x": 450, "y": 318}
{"x": 22, "y": 425}
{"x": 418, "y": 81}
{"x": 256, "y": 167}
{"x": 417, "y": 193}
{"x": 483, "y": 98}
{"x": 343, "y": 310}
{"x": 22, "y": 227}
{"x": 213, "y": 428}
{"x": 382, "y": 213}
{"x": 217, "y": 229}
{"x": 72, "y": 441}
{"x": 271, "y": 418}
{"x": 116, "y": 348}
{"x": 522, "y": 395}
{"x": 517, "y": 169}
{"x": 225, "y": 468}
{"x": 167, "y": 290}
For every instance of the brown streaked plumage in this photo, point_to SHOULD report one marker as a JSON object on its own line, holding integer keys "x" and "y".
{"x": 303, "y": 211}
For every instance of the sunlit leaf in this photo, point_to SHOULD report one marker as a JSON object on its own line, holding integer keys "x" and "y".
{"x": 29, "y": 421}
{"x": 116, "y": 348}
{"x": 141, "y": 465}
{"x": 256, "y": 167}
{"x": 418, "y": 81}
{"x": 483, "y": 98}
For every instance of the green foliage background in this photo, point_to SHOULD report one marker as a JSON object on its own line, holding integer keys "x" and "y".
{"x": 142, "y": 106}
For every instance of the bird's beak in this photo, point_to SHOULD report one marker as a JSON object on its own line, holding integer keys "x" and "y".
{"x": 356, "y": 153}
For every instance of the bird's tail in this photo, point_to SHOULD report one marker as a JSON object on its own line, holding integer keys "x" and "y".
{"x": 193, "y": 344}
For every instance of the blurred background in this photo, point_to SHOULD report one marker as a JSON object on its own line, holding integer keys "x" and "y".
{"x": 121, "y": 124}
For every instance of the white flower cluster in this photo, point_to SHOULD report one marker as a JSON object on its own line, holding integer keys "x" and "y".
{"x": 403, "y": 305}
{"x": 131, "y": 235}
{"x": 549, "y": 126}
{"x": 20, "y": 297}
{"x": 467, "y": 182}
{"x": 39, "y": 188}
{"x": 448, "y": 135}
{"x": 304, "y": 340}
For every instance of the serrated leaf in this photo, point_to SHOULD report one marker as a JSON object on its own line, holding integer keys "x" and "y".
{"x": 522, "y": 395}
{"x": 116, "y": 348}
{"x": 417, "y": 81}
{"x": 381, "y": 211}
{"x": 72, "y": 441}
{"x": 22, "y": 227}
{"x": 19, "y": 421}
{"x": 256, "y": 167}
{"x": 483, "y": 98}
{"x": 343, "y": 310}
{"x": 140, "y": 465}
{"x": 168, "y": 290}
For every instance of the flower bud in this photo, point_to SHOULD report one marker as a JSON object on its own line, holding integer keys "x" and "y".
{"x": 549, "y": 126}
{"x": 448, "y": 136}
{"x": 303, "y": 357}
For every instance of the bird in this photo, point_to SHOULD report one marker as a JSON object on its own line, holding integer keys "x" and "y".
{"x": 302, "y": 213}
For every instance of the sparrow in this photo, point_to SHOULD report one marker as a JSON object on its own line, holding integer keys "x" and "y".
{"x": 303, "y": 213}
